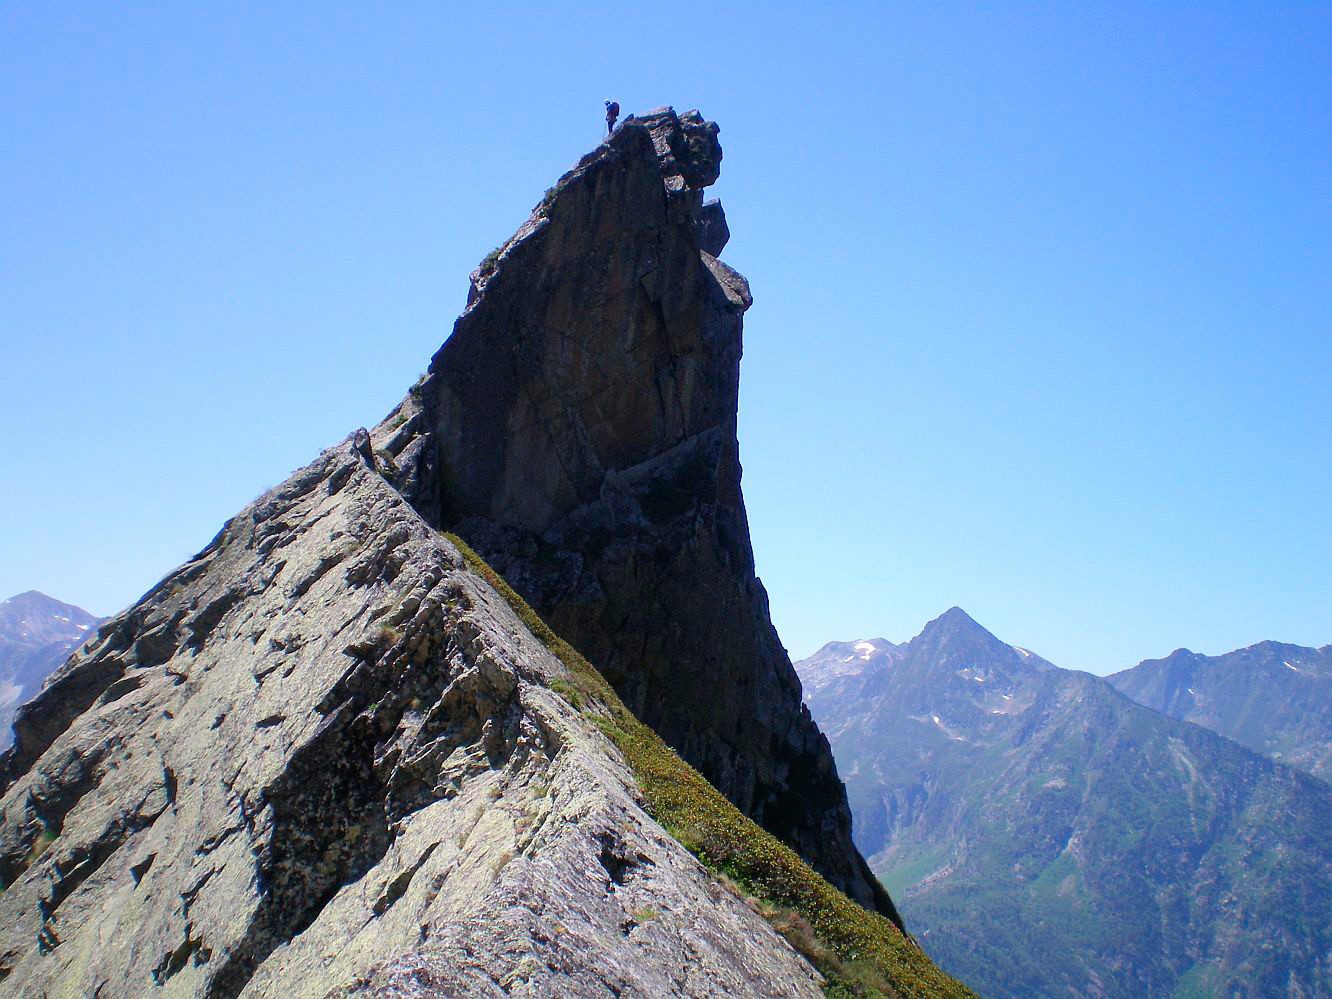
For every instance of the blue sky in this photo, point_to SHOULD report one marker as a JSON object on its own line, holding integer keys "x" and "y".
{"x": 1042, "y": 312}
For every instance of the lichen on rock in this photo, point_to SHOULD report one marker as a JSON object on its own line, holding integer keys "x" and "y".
{"x": 324, "y": 759}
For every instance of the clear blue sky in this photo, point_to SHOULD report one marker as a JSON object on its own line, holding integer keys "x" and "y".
{"x": 1043, "y": 293}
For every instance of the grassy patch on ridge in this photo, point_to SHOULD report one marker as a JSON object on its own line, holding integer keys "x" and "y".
{"x": 861, "y": 953}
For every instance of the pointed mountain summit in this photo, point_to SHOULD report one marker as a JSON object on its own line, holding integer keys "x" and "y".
{"x": 34, "y": 619}
{"x": 955, "y": 639}
{"x": 1046, "y": 835}
{"x": 954, "y": 663}
{"x": 955, "y": 618}
{"x": 37, "y": 634}
{"x": 958, "y": 629}
{"x": 579, "y": 430}
{"x": 335, "y": 754}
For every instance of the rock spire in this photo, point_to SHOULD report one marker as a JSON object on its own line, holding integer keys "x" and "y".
{"x": 579, "y": 429}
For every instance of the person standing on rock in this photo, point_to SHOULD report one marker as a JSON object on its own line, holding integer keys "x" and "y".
{"x": 612, "y": 112}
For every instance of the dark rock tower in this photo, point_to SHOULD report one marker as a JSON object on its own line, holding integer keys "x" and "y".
{"x": 579, "y": 429}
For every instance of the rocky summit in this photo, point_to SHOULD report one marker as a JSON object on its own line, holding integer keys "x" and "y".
{"x": 335, "y": 754}
{"x": 579, "y": 430}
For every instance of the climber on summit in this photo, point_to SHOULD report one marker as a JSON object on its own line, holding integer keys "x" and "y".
{"x": 612, "y": 112}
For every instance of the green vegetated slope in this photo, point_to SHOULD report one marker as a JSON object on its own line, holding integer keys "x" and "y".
{"x": 860, "y": 953}
{"x": 1272, "y": 697}
{"x": 1044, "y": 835}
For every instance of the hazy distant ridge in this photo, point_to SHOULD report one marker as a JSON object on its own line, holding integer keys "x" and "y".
{"x": 1272, "y": 697}
{"x": 37, "y": 634}
{"x": 1045, "y": 835}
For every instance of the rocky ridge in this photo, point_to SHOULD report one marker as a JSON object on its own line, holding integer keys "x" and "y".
{"x": 322, "y": 758}
{"x": 327, "y": 758}
{"x": 1273, "y": 697}
{"x": 837, "y": 660}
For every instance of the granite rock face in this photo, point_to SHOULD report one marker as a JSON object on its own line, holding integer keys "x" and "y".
{"x": 322, "y": 759}
{"x": 579, "y": 430}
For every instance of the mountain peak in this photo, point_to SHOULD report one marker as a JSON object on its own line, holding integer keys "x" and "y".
{"x": 861, "y": 648}
{"x": 956, "y": 621}
{"x": 37, "y": 634}
{"x": 32, "y": 618}
{"x": 578, "y": 430}
{"x": 955, "y": 640}
{"x": 339, "y": 690}
{"x": 957, "y": 614}
{"x": 33, "y": 598}
{"x": 1271, "y": 696}
{"x": 970, "y": 766}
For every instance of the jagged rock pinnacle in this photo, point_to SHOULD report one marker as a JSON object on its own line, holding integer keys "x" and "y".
{"x": 579, "y": 429}
{"x": 325, "y": 758}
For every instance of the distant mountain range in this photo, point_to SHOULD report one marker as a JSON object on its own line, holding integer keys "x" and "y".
{"x": 1045, "y": 835}
{"x": 1274, "y": 698}
{"x": 37, "y": 634}
{"x": 838, "y": 660}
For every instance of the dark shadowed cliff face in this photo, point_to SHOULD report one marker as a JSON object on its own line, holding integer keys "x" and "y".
{"x": 579, "y": 429}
